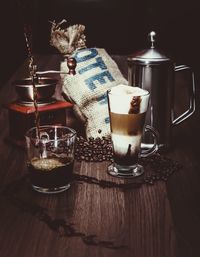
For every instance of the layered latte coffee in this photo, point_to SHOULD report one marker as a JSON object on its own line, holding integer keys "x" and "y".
{"x": 127, "y": 109}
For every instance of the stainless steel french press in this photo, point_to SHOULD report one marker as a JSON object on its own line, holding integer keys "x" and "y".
{"x": 152, "y": 70}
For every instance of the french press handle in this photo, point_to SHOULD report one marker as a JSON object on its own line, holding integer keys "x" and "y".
{"x": 192, "y": 102}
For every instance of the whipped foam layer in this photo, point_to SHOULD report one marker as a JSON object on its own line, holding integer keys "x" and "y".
{"x": 121, "y": 96}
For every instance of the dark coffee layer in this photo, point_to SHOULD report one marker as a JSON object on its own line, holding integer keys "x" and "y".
{"x": 128, "y": 159}
{"x": 50, "y": 177}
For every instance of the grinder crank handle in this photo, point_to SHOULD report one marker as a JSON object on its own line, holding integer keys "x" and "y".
{"x": 192, "y": 105}
{"x": 71, "y": 64}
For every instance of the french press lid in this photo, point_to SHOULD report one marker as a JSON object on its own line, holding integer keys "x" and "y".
{"x": 150, "y": 56}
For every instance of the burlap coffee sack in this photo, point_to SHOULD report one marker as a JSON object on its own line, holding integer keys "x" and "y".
{"x": 96, "y": 72}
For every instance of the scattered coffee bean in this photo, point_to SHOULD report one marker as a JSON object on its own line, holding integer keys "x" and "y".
{"x": 94, "y": 149}
{"x": 157, "y": 167}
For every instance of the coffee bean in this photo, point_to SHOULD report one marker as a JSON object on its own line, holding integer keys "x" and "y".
{"x": 99, "y": 149}
{"x": 93, "y": 149}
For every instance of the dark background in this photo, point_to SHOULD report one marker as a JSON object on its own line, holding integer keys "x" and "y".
{"x": 119, "y": 26}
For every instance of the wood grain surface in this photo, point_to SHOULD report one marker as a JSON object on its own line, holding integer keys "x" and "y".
{"x": 160, "y": 220}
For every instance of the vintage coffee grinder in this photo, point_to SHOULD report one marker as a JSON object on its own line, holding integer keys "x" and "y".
{"x": 154, "y": 71}
{"x": 35, "y": 103}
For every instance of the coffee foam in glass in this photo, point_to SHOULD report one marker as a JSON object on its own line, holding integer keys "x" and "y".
{"x": 121, "y": 97}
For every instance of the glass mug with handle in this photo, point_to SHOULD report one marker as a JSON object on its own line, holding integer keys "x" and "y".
{"x": 50, "y": 157}
{"x": 127, "y": 110}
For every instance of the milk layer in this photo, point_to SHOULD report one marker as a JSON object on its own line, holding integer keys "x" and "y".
{"x": 121, "y": 143}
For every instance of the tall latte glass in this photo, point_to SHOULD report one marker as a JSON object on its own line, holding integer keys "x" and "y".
{"x": 127, "y": 110}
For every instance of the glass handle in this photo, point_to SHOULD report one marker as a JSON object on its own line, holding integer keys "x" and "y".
{"x": 192, "y": 103}
{"x": 154, "y": 147}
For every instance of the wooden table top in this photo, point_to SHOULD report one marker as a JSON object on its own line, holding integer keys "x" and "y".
{"x": 159, "y": 220}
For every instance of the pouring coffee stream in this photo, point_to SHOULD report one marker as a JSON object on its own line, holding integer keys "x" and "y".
{"x": 32, "y": 73}
{"x": 35, "y": 76}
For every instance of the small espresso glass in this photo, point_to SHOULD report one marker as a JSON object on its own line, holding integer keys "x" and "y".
{"x": 50, "y": 157}
{"x": 127, "y": 110}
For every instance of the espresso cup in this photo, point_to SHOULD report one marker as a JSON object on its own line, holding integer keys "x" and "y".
{"x": 127, "y": 110}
